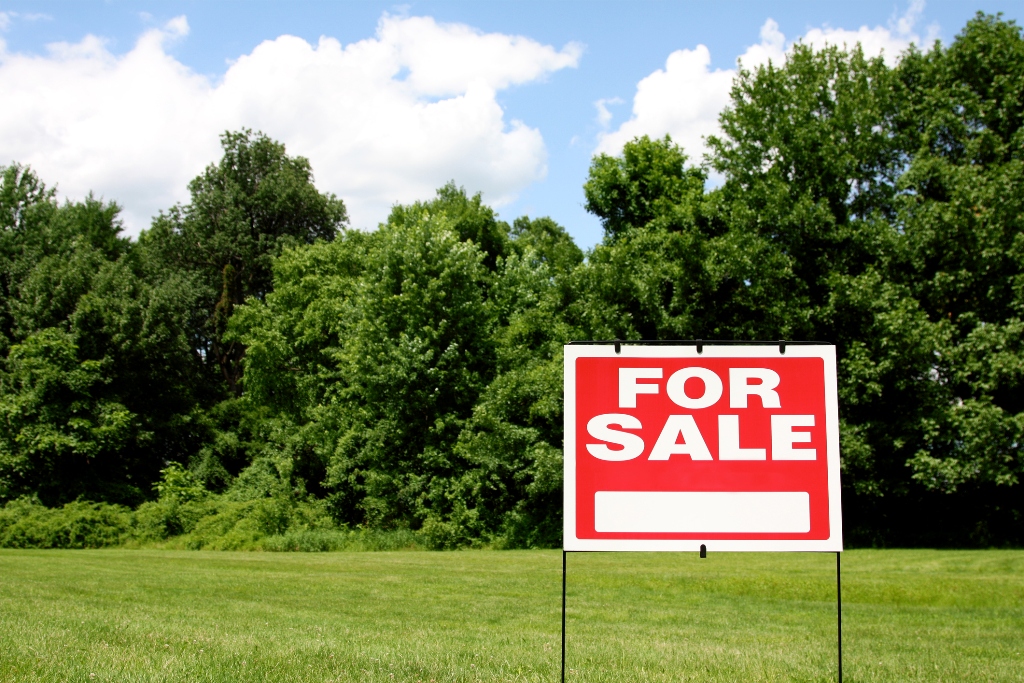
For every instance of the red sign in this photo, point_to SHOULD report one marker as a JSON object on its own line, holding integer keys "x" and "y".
{"x": 736, "y": 448}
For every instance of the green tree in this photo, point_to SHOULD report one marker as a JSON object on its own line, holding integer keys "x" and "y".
{"x": 870, "y": 206}
{"x": 389, "y": 386}
{"x": 679, "y": 270}
{"x": 96, "y": 385}
{"x": 512, "y": 443}
{"x": 961, "y": 211}
{"x": 409, "y": 366}
{"x": 244, "y": 211}
{"x": 418, "y": 352}
{"x": 60, "y": 438}
{"x": 649, "y": 181}
{"x": 26, "y": 204}
{"x": 470, "y": 219}
{"x": 813, "y": 153}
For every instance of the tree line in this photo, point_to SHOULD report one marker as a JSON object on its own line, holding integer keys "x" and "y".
{"x": 251, "y": 346}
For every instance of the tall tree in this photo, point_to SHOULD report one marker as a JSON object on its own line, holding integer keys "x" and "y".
{"x": 407, "y": 350}
{"x": 470, "y": 219}
{"x": 649, "y": 181}
{"x": 873, "y": 207}
{"x": 96, "y": 392}
{"x": 424, "y": 368}
{"x": 962, "y": 212}
{"x": 677, "y": 269}
{"x": 244, "y": 211}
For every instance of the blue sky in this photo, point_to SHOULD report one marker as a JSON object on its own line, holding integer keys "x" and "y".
{"x": 509, "y": 98}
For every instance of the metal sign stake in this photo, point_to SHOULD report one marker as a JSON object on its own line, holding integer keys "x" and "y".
{"x": 563, "y": 616}
{"x": 839, "y": 615}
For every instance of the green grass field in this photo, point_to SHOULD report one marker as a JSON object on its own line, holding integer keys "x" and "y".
{"x": 138, "y": 615}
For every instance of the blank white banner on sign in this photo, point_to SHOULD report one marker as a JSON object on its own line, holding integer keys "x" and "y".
{"x": 702, "y": 512}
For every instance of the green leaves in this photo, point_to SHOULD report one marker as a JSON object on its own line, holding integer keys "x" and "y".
{"x": 178, "y": 484}
{"x": 649, "y": 181}
{"x": 417, "y": 351}
{"x": 58, "y": 428}
{"x": 410, "y": 377}
{"x": 379, "y": 344}
{"x": 422, "y": 364}
{"x": 98, "y": 381}
{"x": 244, "y": 212}
{"x": 875, "y": 207}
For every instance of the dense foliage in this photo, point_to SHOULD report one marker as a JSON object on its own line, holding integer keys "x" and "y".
{"x": 96, "y": 388}
{"x": 253, "y": 363}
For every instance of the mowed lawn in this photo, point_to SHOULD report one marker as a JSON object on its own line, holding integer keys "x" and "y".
{"x": 137, "y": 615}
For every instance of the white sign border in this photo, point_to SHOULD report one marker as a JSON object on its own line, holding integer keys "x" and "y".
{"x": 826, "y": 352}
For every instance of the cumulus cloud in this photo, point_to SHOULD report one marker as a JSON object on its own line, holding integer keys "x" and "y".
{"x": 383, "y": 120}
{"x": 684, "y": 99}
{"x": 888, "y": 42}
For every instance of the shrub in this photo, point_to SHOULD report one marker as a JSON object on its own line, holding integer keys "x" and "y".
{"x": 26, "y": 523}
{"x": 220, "y": 523}
{"x": 210, "y": 523}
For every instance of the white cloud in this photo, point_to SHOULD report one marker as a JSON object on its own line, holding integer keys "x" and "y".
{"x": 385, "y": 119}
{"x": 685, "y": 98}
{"x": 888, "y": 42}
{"x": 604, "y": 115}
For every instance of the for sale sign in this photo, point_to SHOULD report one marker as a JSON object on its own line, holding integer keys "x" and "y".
{"x": 736, "y": 447}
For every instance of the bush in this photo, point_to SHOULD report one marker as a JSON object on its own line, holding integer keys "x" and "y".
{"x": 211, "y": 523}
{"x": 219, "y": 523}
{"x": 26, "y": 523}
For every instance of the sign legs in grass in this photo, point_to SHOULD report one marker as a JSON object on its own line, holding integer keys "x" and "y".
{"x": 703, "y": 554}
{"x": 563, "y": 616}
